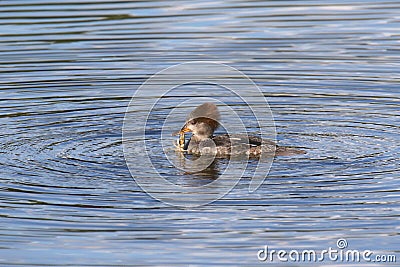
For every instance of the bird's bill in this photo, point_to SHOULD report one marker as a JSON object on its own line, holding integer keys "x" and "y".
{"x": 184, "y": 129}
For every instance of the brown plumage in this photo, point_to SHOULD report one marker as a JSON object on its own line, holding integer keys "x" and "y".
{"x": 203, "y": 121}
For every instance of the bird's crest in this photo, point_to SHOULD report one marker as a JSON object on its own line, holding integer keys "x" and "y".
{"x": 207, "y": 112}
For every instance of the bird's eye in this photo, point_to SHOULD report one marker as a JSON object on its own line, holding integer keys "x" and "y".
{"x": 192, "y": 122}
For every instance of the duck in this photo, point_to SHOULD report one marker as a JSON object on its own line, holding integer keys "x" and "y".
{"x": 202, "y": 123}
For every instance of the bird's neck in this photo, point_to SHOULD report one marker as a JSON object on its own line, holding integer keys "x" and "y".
{"x": 199, "y": 138}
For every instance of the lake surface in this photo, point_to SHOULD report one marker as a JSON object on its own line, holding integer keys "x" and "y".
{"x": 329, "y": 70}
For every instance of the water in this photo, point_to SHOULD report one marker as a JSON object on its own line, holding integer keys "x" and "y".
{"x": 330, "y": 71}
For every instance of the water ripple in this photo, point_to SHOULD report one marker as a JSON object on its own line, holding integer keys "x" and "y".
{"x": 69, "y": 68}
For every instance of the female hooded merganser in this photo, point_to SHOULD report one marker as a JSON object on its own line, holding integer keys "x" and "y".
{"x": 203, "y": 121}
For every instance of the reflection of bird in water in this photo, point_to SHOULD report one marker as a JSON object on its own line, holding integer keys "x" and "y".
{"x": 203, "y": 121}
